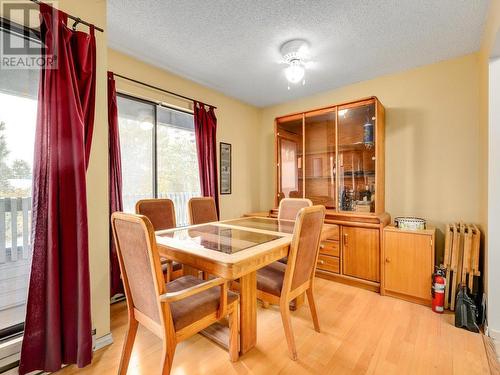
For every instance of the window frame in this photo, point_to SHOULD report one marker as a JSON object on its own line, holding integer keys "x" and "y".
{"x": 154, "y": 148}
{"x": 25, "y": 32}
{"x": 12, "y": 336}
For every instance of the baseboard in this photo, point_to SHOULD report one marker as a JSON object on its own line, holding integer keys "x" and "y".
{"x": 103, "y": 341}
{"x": 494, "y": 334}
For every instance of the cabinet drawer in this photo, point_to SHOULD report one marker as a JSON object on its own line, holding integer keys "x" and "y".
{"x": 333, "y": 231}
{"x": 327, "y": 263}
{"x": 331, "y": 248}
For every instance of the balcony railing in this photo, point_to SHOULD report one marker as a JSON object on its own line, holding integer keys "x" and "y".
{"x": 15, "y": 249}
{"x": 15, "y": 258}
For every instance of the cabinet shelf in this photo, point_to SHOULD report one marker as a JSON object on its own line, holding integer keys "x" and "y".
{"x": 345, "y": 175}
{"x": 359, "y": 146}
{"x": 314, "y": 178}
{"x": 363, "y": 174}
{"x": 321, "y": 152}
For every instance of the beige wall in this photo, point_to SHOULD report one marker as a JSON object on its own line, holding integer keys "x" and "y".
{"x": 432, "y": 138}
{"x": 237, "y": 123}
{"x": 492, "y": 280}
{"x": 94, "y": 11}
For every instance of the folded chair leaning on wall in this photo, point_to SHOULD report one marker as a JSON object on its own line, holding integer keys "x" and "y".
{"x": 174, "y": 311}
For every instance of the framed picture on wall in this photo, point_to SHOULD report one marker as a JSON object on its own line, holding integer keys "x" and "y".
{"x": 225, "y": 168}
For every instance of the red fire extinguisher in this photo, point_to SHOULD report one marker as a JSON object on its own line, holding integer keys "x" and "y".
{"x": 438, "y": 286}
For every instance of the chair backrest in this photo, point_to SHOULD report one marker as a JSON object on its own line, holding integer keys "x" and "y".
{"x": 202, "y": 210}
{"x": 304, "y": 249}
{"x": 139, "y": 263}
{"x": 161, "y": 212}
{"x": 290, "y": 207}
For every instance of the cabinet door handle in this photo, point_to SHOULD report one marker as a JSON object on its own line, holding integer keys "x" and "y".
{"x": 322, "y": 246}
{"x": 321, "y": 261}
{"x": 388, "y": 260}
{"x": 345, "y": 239}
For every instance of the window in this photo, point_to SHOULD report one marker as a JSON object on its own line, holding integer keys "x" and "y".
{"x": 18, "y": 108}
{"x": 159, "y": 156}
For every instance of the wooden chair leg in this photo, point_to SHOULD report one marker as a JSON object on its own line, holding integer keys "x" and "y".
{"x": 167, "y": 357}
{"x": 234, "y": 327}
{"x": 170, "y": 271}
{"x": 312, "y": 307}
{"x": 128, "y": 345}
{"x": 287, "y": 325}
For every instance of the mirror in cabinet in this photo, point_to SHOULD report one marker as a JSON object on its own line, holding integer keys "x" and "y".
{"x": 356, "y": 157}
{"x": 320, "y": 157}
{"x": 289, "y": 136}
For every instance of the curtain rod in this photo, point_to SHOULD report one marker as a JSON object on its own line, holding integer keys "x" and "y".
{"x": 162, "y": 90}
{"x": 76, "y": 19}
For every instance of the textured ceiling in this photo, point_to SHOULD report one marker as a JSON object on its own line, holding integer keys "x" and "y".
{"x": 233, "y": 45}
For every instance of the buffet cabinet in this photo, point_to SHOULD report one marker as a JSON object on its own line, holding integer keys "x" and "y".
{"x": 334, "y": 156}
{"x": 407, "y": 263}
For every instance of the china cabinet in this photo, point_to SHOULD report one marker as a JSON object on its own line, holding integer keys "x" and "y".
{"x": 335, "y": 157}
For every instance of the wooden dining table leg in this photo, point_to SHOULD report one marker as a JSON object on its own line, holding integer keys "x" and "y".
{"x": 248, "y": 312}
{"x": 188, "y": 270}
{"x": 297, "y": 302}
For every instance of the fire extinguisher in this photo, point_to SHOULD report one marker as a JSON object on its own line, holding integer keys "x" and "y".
{"x": 438, "y": 286}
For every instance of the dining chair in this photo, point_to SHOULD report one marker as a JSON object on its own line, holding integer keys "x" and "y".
{"x": 288, "y": 210}
{"x": 173, "y": 311}
{"x": 280, "y": 283}
{"x": 289, "y": 207}
{"x": 161, "y": 213}
{"x": 202, "y": 210}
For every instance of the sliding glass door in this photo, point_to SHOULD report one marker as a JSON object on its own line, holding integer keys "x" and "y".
{"x": 136, "y": 120}
{"x": 18, "y": 108}
{"x": 159, "y": 158}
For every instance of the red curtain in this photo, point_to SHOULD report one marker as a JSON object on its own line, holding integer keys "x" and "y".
{"x": 115, "y": 182}
{"x": 205, "y": 127}
{"x": 58, "y": 322}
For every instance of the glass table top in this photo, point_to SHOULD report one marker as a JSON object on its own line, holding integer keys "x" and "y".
{"x": 218, "y": 238}
{"x": 273, "y": 225}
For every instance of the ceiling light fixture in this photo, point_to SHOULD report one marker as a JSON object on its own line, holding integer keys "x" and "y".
{"x": 294, "y": 53}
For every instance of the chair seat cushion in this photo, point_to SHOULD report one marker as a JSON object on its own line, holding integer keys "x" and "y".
{"x": 270, "y": 278}
{"x": 195, "y": 307}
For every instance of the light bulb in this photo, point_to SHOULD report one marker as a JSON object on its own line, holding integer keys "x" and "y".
{"x": 295, "y": 72}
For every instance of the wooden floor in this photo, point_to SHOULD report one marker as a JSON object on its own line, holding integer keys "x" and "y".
{"x": 362, "y": 333}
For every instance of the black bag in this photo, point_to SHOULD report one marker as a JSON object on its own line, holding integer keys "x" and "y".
{"x": 466, "y": 311}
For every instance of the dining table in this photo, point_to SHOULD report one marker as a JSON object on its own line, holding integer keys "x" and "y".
{"x": 233, "y": 249}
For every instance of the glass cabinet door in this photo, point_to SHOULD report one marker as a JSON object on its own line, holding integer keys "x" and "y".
{"x": 319, "y": 157}
{"x": 356, "y": 157}
{"x": 290, "y": 158}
